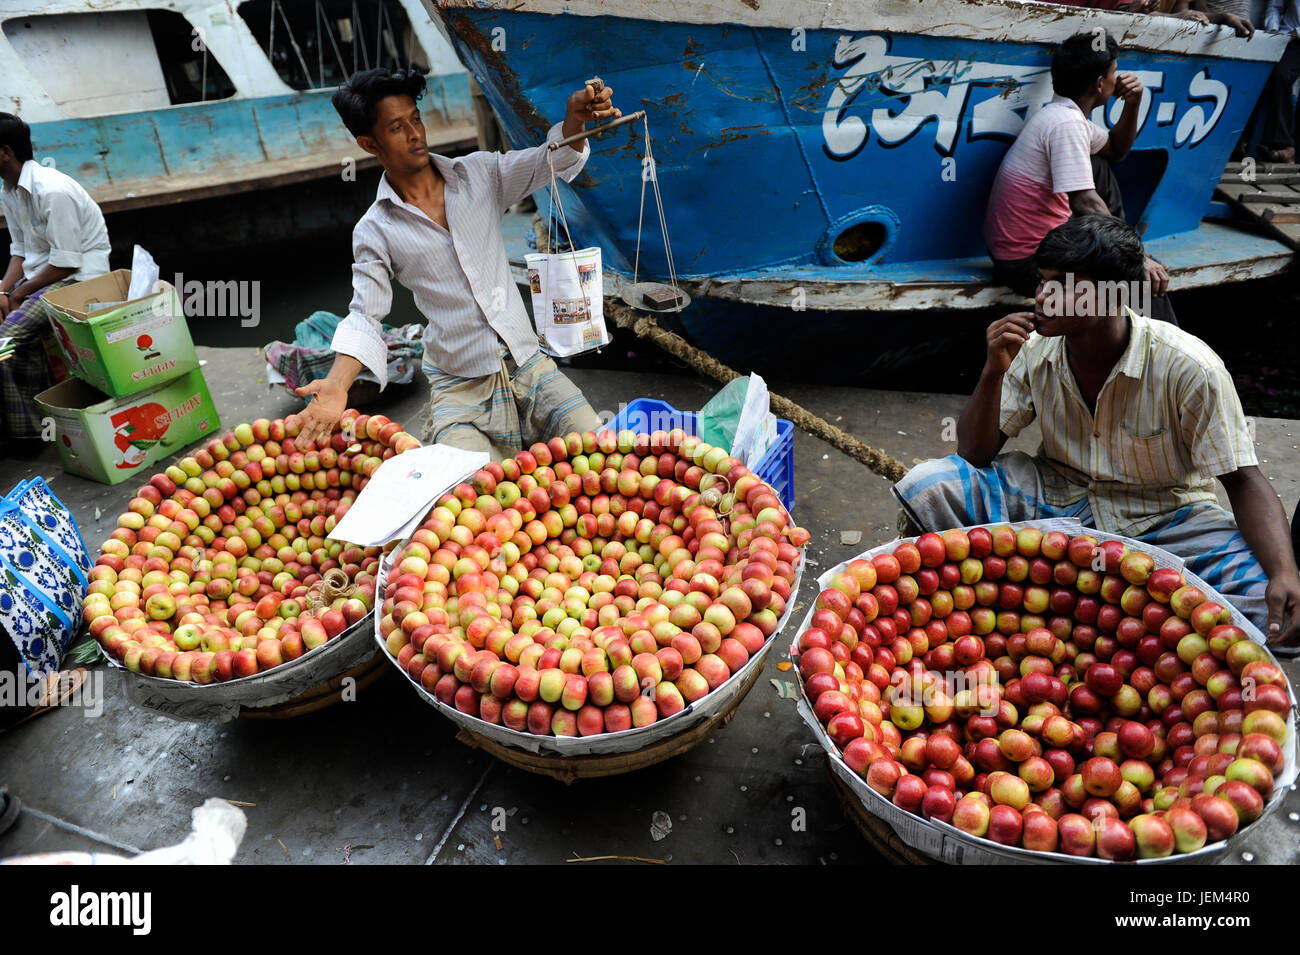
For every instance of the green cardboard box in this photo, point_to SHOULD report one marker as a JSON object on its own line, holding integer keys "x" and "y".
{"x": 111, "y": 439}
{"x": 128, "y": 347}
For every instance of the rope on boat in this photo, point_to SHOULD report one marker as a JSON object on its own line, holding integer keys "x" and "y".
{"x": 645, "y": 326}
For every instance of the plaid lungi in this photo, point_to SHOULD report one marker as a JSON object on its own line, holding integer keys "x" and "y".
{"x": 506, "y": 411}
{"x": 950, "y": 492}
{"x": 26, "y": 372}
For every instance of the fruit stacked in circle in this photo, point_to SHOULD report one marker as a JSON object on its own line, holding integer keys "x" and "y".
{"x": 1054, "y": 693}
{"x": 592, "y": 584}
{"x": 213, "y": 572}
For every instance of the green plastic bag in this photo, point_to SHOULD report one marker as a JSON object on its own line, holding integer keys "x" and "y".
{"x": 718, "y": 420}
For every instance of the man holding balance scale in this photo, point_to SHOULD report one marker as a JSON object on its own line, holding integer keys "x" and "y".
{"x": 435, "y": 227}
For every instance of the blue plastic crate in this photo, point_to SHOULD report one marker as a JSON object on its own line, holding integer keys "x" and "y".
{"x": 776, "y": 468}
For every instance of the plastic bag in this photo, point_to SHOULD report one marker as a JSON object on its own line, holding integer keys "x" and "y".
{"x": 737, "y": 417}
{"x": 144, "y": 275}
{"x": 756, "y": 429}
{"x": 568, "y": 301}
{"x": 217, "y": 828}
{"x": 718, "y": 419}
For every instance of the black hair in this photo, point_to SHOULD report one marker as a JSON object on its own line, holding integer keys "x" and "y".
{"x": 1081, "y": 60}
{"x": 357, "y": 100}
{"x": 17, "y": 135}
{"x": 1101, "y": 247}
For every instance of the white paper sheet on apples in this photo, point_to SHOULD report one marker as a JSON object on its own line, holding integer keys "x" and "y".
{"x": 949, "y": 844}
{"x": 401, "y": 491}
{"x": 606, "y": 744}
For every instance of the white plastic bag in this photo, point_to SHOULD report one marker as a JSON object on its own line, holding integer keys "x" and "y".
{"x": 756, "y": 429}
{"x": 144, "y": 275}
{"x": 568, "y": 301}
{"x": 217, "y": 828}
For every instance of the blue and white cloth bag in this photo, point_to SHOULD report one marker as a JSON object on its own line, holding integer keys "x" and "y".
{"x": 43, "y": 572}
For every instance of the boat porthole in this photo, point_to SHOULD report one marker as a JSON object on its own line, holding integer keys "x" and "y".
{"x": 860, "y": 242}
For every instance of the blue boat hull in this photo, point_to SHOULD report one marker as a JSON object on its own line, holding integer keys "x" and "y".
{"x": 766, "y": 153}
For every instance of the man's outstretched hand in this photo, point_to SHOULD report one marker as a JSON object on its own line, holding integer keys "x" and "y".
{"x": 328, "y": 400}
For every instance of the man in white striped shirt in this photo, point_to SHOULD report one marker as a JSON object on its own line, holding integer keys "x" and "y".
{"x": 435, "y": 226}
{"x": 1138, "y": 418}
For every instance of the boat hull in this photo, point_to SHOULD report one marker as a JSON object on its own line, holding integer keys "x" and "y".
{"x": 774, "y": 142}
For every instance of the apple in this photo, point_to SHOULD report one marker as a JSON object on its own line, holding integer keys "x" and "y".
{"x": 1253, "y": 773}
{"x": 970, "y": 815}
{"x": 1154, "y": 837}
{"x": 938, "y": 803}
{"x": 1040, "y": 832}
{"x": 1077, "y": 835}
{"x": 1101, "y": 776}
{"x": 1243, "y": 798}
{"x": 1219, "y": 815}
{"x": 909, "y": 793}
{"x": 1115, "y": 840}
{"x": 1005, "y": 825}
{"x": 1189, "y": 829}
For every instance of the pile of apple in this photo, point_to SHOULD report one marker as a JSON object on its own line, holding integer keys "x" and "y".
{"x": 208, "y": 576}
{"x": 1058, "y": 694}
{"x": 592, "y": 584}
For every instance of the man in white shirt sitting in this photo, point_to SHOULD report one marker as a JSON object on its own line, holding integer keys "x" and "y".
{"x": 435, "y": 227}
{"x": 56, "y": 236}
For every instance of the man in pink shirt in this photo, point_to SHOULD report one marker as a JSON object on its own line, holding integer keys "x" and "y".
{"x": 1059, "y": 165}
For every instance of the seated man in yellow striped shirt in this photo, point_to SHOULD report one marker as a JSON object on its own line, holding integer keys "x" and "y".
{"x": 1138, "y": 418}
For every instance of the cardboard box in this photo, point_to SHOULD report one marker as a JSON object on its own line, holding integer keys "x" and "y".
{"x": 127, "y": 348}
{"x": 111, "y": 439}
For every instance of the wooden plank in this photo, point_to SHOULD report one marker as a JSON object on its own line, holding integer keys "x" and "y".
{"x": 1236, "y": 167}
{"x": 1267, "y": 198}
{"x": 1271, "y": 197}
{"x": 1260, "y": 180}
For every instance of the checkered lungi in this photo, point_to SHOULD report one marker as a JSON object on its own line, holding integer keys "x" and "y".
{"x": 950, "y": 492}
{"x": 26, "y": 373}
{"x": 506, "y": 411}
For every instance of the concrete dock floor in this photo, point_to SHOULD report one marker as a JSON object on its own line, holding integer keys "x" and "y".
{"x": 383, "y": 780}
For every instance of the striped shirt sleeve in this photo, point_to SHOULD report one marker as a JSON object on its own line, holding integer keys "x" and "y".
{"x": 360, "y": 335}
{"x": 1017, "y": 408}
{"x": 521, "y": 172}
{"x": 1212, "y": 422}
